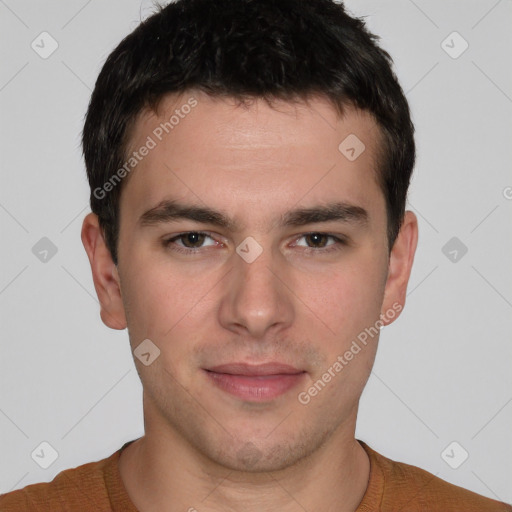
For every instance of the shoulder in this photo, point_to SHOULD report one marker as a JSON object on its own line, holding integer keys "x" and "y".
{"x": 79, "y": 488}
{"x": 413, "y": 489}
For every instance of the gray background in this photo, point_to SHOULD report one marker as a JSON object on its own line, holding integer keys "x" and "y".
{"x": 443, "y": 369}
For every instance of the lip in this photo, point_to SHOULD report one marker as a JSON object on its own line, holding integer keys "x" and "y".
{"x": 255, "y": 383}
{"x": 272, "y": 368}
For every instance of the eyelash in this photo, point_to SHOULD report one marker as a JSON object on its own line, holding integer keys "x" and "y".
{"x": 338, "y": 245}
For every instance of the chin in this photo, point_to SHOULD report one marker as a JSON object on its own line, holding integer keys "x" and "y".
{"x": 267, "y": 455}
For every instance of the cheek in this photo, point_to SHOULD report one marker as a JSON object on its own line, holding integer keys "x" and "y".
{"x": 159, "y": 299}
{"x": 350, "y": 305}
{"x": 345, "y": 301}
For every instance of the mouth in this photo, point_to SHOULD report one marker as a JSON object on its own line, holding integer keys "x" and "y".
{"x": 255, "y": 383}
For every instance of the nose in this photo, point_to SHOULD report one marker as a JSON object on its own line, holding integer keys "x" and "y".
{"x": 256, "y": 298}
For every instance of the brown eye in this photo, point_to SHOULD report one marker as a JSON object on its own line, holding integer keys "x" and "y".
{"x": 317, "y": 239}
{"x": 316, "y": 242}
{"x": 192, "y": 240}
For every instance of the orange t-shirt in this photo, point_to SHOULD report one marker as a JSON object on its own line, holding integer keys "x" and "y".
{"x": 392, "y": 487}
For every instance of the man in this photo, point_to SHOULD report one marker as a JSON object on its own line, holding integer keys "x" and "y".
{"x": 249, "y": 164}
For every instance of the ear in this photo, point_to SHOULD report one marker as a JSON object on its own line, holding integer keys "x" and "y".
{"x": 399, "y": 269}
{"x": 104, "y": 274}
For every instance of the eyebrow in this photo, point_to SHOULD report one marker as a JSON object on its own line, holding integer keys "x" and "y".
{"x": 170, "y": 210}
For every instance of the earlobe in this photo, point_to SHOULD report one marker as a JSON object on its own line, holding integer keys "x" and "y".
{"x": 104, "y": 273}
{"x": 399, "y": 270}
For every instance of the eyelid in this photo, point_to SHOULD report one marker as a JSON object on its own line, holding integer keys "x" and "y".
{"x": 168, "y": 240}
{"x": 339, "y": 240}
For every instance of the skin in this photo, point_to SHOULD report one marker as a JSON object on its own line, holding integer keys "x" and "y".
{"x": 296, "y": 303}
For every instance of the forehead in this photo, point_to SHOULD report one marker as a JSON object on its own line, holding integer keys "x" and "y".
{"x": 236, "y": 157}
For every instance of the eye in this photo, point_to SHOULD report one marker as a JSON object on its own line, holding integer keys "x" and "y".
{"x": 317, "y": 242}
{"x": 190, "y": 241}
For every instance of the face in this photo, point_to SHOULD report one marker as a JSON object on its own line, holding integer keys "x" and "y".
{"x": 253, "y": 254}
